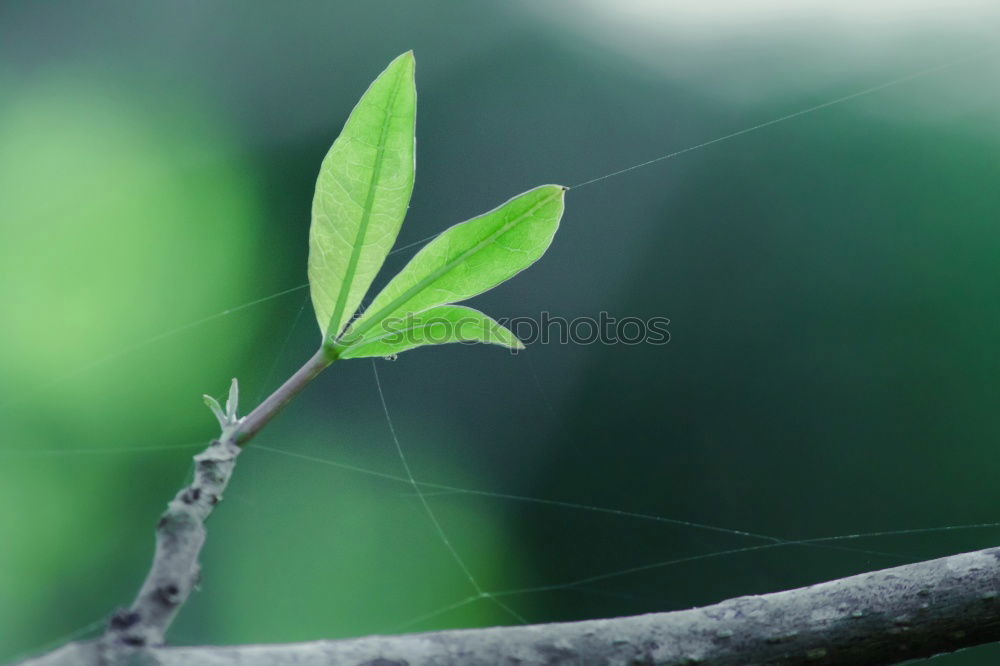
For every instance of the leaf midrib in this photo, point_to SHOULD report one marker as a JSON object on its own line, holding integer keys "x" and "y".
{"x": 420, "y": 285}
{"x": 352, "y": 265}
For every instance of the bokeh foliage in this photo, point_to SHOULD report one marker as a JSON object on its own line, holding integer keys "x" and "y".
{"x": 830, "y": 281}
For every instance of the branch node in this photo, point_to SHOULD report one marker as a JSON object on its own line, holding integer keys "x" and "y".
{"x": 228, "y": 418}
{"x": 123, "y": 618}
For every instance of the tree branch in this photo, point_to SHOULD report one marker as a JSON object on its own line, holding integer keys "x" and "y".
{"x": 883, "y": 617}
{"x": 180, "y": 533}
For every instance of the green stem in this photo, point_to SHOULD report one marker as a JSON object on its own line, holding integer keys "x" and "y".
{"x": 266, "y": 410}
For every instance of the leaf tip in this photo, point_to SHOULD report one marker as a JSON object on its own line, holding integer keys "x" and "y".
{"x": 553, "y": 187}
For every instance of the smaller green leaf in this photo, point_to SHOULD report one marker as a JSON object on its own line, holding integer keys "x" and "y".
{"x": 435, "y": 326}
{"x": 466, "y": 260}
{"x": 216, "y": 408}
{"x": 233, "y": 401}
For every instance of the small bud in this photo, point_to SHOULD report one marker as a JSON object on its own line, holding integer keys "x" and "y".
{"x": 216, "y": 408}
{"x": 233, "y": 401}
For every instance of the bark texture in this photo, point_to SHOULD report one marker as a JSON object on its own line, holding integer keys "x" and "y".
{"x": 883, "y": 617}
{"x": 180, "y": 535}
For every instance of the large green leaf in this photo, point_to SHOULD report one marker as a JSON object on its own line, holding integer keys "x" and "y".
{"x": 465, "y": 260}
{"x": 435, "y": 326}
{"x": 362, "y": 193}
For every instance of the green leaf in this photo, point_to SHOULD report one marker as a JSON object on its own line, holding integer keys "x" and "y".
{"x": 435, "y": 326}
{"x": 362, "y": 193}
{"x": 466, "y": 260}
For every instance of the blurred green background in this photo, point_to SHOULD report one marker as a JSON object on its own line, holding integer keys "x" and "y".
{"x": 831, "y": 280}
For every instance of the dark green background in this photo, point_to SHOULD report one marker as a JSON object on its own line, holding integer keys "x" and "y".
{"x": 831, "y": 283}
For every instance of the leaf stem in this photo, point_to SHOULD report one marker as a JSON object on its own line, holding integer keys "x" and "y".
{"x": 273, "y": 404}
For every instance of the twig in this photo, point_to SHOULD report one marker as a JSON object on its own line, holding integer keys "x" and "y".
{"x": 180, "y": 533}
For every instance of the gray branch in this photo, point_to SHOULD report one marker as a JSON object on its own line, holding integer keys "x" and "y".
{"x": 883, "y": 617}
{"x": 180, "y": 535}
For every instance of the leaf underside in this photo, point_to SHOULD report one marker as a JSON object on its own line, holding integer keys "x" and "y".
{"x": 362, "y": 194}
{"x": 463, "y": 261}
{"x": 434, "y": 326}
